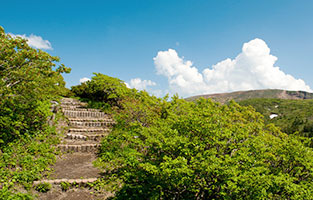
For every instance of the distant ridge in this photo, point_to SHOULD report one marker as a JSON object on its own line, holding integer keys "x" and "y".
{"x": 243, "y": 95}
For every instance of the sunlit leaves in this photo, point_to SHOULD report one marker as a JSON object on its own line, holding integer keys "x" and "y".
{"x": 28, "y": 77}
{"x": 203, "y": 150}
{"x": 102, "y": 88}
{"x": 29, "y": 80}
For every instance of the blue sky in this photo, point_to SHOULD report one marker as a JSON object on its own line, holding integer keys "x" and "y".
{"x": 122, "y": 38}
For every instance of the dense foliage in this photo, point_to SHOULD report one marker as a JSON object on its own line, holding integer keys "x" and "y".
{"x": 161, "y": 149}
{"x": 293, "y": 116}
{"x": 29, "y": 80}
{"x": 102, "y": 91}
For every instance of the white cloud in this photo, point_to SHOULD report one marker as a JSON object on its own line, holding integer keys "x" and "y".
{"x": 253, "y": 68}
{"x": 140, "y": 84}
{"x": 35, "y": 41}
{"x": 83, "y": 80}
{"x": 144, "y": 85}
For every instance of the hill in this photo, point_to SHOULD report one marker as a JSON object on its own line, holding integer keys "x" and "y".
{"x": 289, "y": 114}
{"x": 286, "y": 109}
{"x": 251, "y": 94}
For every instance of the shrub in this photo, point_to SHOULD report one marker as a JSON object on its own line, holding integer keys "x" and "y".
{"x": 203, "y": 150}
{"x": 43, "y": 187}
{"x": 102, "y": 88}
{"x": 65, "y": 186}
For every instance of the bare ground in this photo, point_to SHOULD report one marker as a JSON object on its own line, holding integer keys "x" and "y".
{"x": 75, "y": 165}
{"x": 56, "y": 193}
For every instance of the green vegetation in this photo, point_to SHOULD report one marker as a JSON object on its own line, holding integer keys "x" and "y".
{"x": 29, "y": 80}
{"x": 43, "y": 187}
{"x": 65, "y": 186}
{"x": 293, "y": 116}
{"x": 102, "y": 91}
{"x": 161, "y": 149}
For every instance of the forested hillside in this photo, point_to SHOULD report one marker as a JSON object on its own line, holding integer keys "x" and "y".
{"x": 292, "y": 116}
{"x": 291, "y": 111}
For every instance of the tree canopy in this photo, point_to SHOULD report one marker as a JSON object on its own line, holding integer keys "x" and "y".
{"x": 28, "y": 77}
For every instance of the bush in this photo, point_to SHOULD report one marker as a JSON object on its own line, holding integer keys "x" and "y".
{"x": 202, "y": 150}
{"x": 29, "y": 79}
{"x": 102, "y": 88}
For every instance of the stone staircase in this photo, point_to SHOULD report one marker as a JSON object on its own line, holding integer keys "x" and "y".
{"x": 86, "y": 127}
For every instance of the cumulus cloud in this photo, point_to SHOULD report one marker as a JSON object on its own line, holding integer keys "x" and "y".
{"x": 144, "y": 85}
{"x": 83, "y": 80}
{"x": 140, "y": 84}
{"x": 35, "y": 41}
{"x": 253, "y": 68}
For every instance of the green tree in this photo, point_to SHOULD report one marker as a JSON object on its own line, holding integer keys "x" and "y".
{"x": 29, "y": 79}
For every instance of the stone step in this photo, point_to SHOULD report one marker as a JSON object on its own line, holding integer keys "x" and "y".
{"x": 71, "y": 107}
{"x": 69, "y": 100}
{"x": 95, "y": 137}
{"x": 88, "y": 130}
{"x": 86, "y": 114}
{"x": 90, "y": 124}
{"x": 79, "y": 148}
{"x": 71, "y": 181}
{"x": 78, "y": 142}
{"x": 73, "y": 104}
{"x": 90, "y": 119}
{"x": 81, "y": 109}
{"x": 76, "y": 137}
